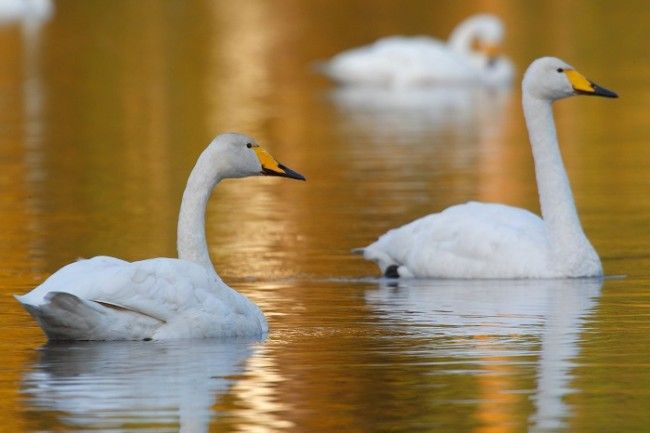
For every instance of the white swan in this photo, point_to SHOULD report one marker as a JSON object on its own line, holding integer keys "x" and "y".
{"x": 104, "y": 298}
{"x": 479, "y": 240}
{"x": 472, "y": 55}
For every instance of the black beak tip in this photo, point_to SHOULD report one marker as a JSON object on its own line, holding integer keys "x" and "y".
{"x": 601, "y": 91}
{"x": 598, "y": 91}
{"x": 291, "y": 173}
{"x": 286, "y": 172}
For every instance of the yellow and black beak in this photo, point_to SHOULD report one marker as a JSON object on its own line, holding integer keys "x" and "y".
{"x": 582, "y": 86}
{"x": 270, "y": 167}
{"x": 491, "y": 50}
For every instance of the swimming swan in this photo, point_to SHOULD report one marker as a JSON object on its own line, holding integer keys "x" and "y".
{"x": 480, "y": 240}
{"x": 472, "y": 55}
{"x": 104, "y": 298}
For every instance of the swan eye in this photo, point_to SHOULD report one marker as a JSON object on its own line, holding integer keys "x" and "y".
{"x": 560, "y": 70}
{"x": 249, "y": 145}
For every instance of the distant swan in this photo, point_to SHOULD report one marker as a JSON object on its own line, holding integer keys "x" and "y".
{"x": 479, "y": 240}
{"x": 104, "y": 298}
{"x": 472, "y": 55}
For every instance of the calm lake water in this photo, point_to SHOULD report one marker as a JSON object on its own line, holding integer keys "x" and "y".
{"x": 103, "y": 110}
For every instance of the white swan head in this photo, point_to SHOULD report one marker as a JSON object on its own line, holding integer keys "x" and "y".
{"x": 238, "y": 155}
{"x": 550, "y": 78}
{"x": 479, "y": 35}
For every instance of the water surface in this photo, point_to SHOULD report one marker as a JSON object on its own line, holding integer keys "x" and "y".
{"x": 103, "y": 111}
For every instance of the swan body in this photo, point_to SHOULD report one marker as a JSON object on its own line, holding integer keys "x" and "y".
{"x": 470, "y": 56}
{"x": 105, "y": 298}
{"x": 480, "y": 240}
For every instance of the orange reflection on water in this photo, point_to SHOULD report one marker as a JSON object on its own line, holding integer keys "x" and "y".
{"x": 132, "y": 92}
{"x": 496, "y": 408}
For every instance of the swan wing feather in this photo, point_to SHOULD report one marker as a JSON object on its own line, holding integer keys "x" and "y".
{"x": 464, "y": 241}
{"x": 158, "y": 288}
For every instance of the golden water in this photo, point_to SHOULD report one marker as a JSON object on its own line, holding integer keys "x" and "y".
{"x": 103, "y": 111}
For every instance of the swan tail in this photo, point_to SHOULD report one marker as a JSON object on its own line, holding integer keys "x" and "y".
{"x": 391, "y": 271}
{"x": 390, "y": 268}
{"x": 64, "y": 316}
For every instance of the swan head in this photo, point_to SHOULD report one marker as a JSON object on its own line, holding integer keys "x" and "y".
{"x": 238, "y": 155}
{"x": 550, "y": 78}
{"x": 479, "y": 35}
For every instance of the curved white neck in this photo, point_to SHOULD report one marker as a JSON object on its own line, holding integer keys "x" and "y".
{"x": 461, "y": 38}
{"x": 191, "y": 242}
{"x": 555, "y": 196}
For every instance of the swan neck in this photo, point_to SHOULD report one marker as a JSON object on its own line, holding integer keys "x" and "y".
{"x": 461, "y": 38}
{"x": 191, "y": 239}
{"x": 556, "y": 198}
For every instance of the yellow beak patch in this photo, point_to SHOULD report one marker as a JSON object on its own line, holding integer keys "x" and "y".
{"x": 583, "y": 86}
{"x": 489, "y": 49}
{"x": 271, "y": 167}
{"x": 579, "y": 82}
{"x": 266, "y": 160}
{"x": 492, "y": 50}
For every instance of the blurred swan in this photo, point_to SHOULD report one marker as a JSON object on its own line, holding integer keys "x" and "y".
{"x": 472, "y": 55}
{"x": 129, "y": 386}
{"x": 104, "y": 298}
{"x": 483, "y": 322}
{"x": 482, "y": 240}
{"x": 28, "y": 10}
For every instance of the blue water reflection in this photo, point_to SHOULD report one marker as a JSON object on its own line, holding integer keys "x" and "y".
{"x": 134, "y": 386}
{"x": 498, "y": 322}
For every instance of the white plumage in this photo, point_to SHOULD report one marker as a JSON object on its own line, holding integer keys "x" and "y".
{"x": 479, "y": 240}
{"x": 105, "y": 298}
{"x": 472, "y": 55}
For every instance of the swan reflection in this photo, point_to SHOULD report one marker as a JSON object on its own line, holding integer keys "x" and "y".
{"x": 134, "y": 386}
{"x": 486, "y": 321}
{"x": 406, "y": 114}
